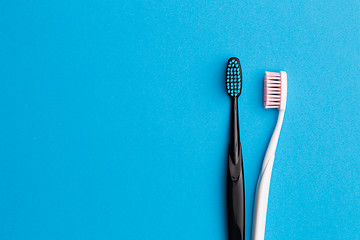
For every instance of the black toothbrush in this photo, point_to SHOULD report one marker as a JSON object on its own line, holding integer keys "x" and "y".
{"x": 235, "y": 172}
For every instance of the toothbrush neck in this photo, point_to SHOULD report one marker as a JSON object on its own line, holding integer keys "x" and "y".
{"x": 234, "y": 131}
{"x": 275, "y": 136}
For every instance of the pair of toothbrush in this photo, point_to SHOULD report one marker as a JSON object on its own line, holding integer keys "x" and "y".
{"x": 235, "y": 172}
{"x": 275, "y": 93}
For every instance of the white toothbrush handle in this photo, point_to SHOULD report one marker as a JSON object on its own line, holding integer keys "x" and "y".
{"x": 261, "y": 202}
{"x": 263, "y": 184}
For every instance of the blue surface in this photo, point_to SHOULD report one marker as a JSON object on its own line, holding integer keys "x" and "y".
{"x": 115, "y": 119}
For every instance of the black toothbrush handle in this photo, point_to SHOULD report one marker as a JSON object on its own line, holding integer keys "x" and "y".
{"x": 235, "y": 180}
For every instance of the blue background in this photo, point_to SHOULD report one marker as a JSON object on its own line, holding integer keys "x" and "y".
{"x": 114, "y": 119}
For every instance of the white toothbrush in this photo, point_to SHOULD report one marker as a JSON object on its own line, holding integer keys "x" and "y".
{"x": 275, "y": 91}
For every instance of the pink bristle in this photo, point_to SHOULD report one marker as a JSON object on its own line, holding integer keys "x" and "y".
{"x": 272, "y": 87}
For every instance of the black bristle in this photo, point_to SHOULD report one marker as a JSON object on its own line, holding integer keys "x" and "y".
{"x": 234, "y": 77}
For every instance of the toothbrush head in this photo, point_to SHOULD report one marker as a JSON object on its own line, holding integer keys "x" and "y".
{"x": 233, "y": 77}
{"x": 275, "y": 90}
